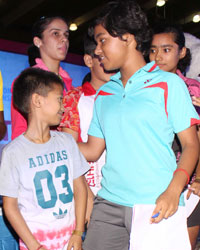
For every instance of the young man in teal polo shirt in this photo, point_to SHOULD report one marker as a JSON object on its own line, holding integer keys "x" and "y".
{"x": 135, "y": 120}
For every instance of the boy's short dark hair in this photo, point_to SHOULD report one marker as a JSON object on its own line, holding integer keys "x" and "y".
{"x": 30, "y": 81}
{"x": 120, "y": 17}
{"x": 89, "y": 42}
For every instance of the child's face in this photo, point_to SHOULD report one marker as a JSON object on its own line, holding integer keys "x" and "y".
{"x": 112, "y": 51}
{"x": 52, "y": 106}
{"x": 54, "y": 43}
{"x": 165, "y": 52}
{"x": 98, "y": 70}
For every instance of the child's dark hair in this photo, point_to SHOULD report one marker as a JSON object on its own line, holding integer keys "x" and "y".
{"x": 120, "y": 17}
{"x": 30, "y": 81}
{"x": 179, "y": 39}
{"x": 89, "y": 42}
{"x": 37, "y": 31}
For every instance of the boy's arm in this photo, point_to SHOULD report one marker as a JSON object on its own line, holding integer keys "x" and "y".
{"x": 72, "y": 132}
{"x": 93, "y": 148}
{"x": 90, "y": 201}
{"x": 80, "y": 198}
{"x": 167, "y": 202}
{"x": 10, "y": 206}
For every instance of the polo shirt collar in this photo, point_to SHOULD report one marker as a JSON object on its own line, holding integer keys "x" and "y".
{"x": 88, "y": 89}
{"x": 149, "y": 67}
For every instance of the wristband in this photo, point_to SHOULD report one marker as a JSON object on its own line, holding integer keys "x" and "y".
{"x": 77, "y": 232}
{"x": 39, "y": 247}
{"x": 184, "y": 171}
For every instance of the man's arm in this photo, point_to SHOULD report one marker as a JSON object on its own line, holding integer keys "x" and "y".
{"x": 72, "y": 132}
{"x": 167, "y": 202}
{"x": 93, "y": 148}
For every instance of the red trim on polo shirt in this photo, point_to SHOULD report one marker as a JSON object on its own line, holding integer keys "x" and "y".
{"x": 101, "y": 92}
{"x": 164, "y": 86}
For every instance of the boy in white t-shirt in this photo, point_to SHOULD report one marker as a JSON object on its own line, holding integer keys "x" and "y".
{"x": 41, "y": 174}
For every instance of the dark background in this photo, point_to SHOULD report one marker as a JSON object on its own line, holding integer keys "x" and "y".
{"x": 17, "y": 16}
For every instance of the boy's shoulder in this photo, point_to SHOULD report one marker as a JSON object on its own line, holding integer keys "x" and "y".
{"x": 13, "y": 145}
{"x": 62, "y": 136}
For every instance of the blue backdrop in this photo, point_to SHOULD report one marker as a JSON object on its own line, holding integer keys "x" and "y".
{"x": 11, "y": 64}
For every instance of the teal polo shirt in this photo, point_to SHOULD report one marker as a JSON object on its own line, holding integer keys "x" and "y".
{"x": 138, "y": 123}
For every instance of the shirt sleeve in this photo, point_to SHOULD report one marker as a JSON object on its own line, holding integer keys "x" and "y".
{"x": 1, "y": 93}
{"x": 181, "y": 112}
{"x": 95, "y": 126}
{"x": 70, "y": 118}
{"x": 9, "y": 176}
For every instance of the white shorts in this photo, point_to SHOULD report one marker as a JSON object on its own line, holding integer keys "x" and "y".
{"x": 169, "y": 234}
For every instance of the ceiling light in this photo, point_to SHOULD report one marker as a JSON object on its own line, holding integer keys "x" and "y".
{"x": 73, "y": 27}
{"x": 196, "y": 18}
{"x": 160, "y": 3}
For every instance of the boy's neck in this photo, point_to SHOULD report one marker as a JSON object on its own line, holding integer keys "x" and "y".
{"x": 37, "y": 136}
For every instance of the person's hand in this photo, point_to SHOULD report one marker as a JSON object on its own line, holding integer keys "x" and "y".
{"x": 194, "y": 188}
{"x": 90, "y": 203}
{"x": 75, "y": 243}
{"x": 196, "y": 101}
{"x": 166, "y": 206}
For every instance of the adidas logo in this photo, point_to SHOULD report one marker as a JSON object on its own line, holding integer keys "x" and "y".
{"x": 61, "y": 214}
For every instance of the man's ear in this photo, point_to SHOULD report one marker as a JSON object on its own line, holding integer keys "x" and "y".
{"x": 183, "y": 52}
{"x": 37, "y": 41}
{"x": 88, "y": 60}
{"x": 36, "y": 100}
{"x": 128, "y": 38}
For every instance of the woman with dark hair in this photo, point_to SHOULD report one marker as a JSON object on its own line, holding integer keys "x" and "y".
{"x": 170, "y": 54}
{"x": 50, "y": 46}
{"x": 135, "y": 120}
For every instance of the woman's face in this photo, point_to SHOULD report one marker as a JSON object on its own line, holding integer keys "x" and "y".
{"x": 54, "y": 43}
{"x": 165, "y": 52}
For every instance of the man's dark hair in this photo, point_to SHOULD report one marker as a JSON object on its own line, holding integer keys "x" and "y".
{"x": 120, "y": 17}
{"x": 30, "y": 81}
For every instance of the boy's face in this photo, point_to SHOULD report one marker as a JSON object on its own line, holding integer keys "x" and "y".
{"x": 98, "y": 70}
{"x": 52, "y": 106}
{"x": 112, "y": 51}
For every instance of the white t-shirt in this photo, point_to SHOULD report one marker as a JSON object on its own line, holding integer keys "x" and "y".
{"x": 41, "y": 177}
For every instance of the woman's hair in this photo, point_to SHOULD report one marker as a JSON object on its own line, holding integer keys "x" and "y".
{"x": 120, "y": 17}
{"x": 179, "y": 39}
{"x": 30, "y": 81}
{"x": 37, "y": 31}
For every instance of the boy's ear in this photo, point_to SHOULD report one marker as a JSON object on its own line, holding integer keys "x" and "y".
{"x": 88, "y": 60}
{"x": 183, "y": 52}
{"x": 37, "y": 41}
{"x": 128, "y": 38}
{"x": 36, "y": 100}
